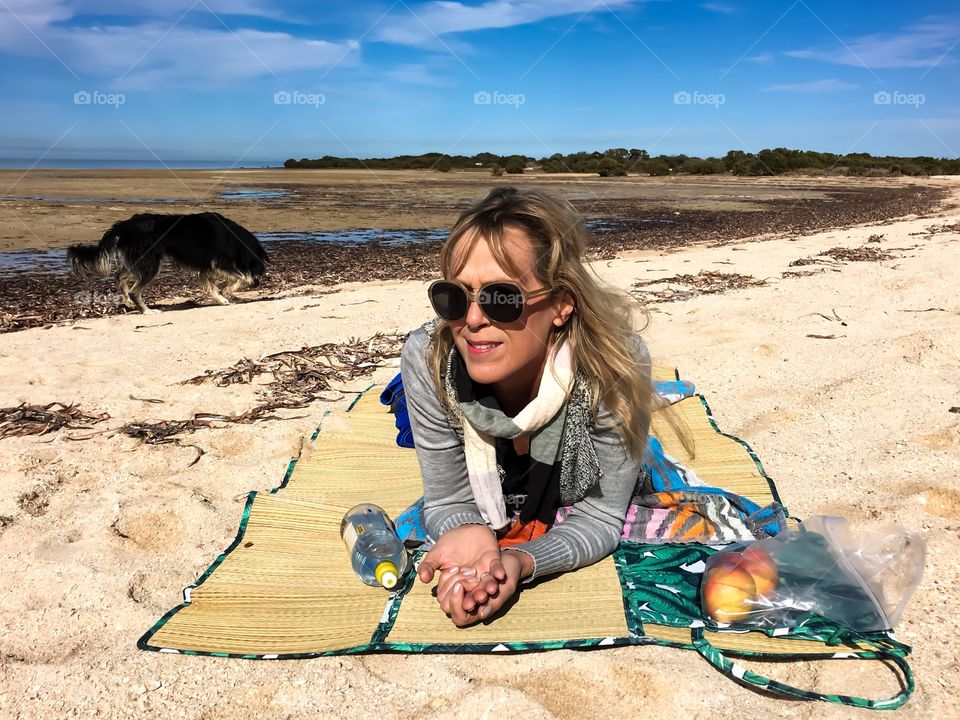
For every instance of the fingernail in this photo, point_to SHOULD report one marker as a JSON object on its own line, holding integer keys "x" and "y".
{"x": 467, "y": 572}
{"x": 451, "y": 569}
{"x": 484, "y": 611}
{"x": 457, "y": 587}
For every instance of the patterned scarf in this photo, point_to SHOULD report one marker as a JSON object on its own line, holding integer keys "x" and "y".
{"x": 563, "y": 462}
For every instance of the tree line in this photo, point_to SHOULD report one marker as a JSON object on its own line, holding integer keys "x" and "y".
{"x": 622, "y": 161}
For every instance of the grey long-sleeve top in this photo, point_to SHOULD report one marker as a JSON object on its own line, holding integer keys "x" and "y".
{"x": 593, "y": 528}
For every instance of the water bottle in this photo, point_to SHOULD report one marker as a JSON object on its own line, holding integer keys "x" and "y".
{"x": 378, "y": 555}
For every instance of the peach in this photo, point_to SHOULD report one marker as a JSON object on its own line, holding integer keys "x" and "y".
{"x": 727, "y": 592}
{"x": 762, "y": 567}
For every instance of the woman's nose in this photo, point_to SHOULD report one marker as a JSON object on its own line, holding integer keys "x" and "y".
{"x": 475, "y": 317}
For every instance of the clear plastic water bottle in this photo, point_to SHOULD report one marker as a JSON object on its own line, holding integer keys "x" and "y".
{"x": 378, "y": 555}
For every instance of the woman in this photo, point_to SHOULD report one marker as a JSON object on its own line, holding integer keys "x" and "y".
{"x": 531, "y": 393}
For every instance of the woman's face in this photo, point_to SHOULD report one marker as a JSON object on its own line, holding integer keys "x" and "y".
{"x": 507, "y": 355}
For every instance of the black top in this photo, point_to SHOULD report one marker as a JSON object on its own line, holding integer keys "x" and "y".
{"x": 514, "y": 473}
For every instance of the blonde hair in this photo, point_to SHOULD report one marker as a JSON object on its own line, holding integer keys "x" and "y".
{"x": 601, "y": 326}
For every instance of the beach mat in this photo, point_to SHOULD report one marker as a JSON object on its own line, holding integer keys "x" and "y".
{"x": 285, "y": 588}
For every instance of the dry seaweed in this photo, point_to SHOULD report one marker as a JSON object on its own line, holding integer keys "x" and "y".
{"x": 706, "y": 282}
{"x": 42, "y": 419}
{"x": 800, "y": 273}
{"x": 860, "y": 254}
{"x": 810, "y": 261}
{"x": 299, "y": 377}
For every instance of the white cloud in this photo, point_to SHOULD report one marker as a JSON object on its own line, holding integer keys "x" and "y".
{"x": 718, "y": 7}
{"x": 816, "y": 86}
{"x": 920, "y": 45}
{"x": 423, "y": 24}
{"x": 155, "y": 54}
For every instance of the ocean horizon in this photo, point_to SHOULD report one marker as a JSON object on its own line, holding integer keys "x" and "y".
{"x": 91, "y": 164}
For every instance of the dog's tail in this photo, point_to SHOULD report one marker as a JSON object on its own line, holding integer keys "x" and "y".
{"x": 101, "y": 260}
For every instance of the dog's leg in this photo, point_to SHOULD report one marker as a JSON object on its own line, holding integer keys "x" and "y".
{"x": 141, "y": 273}
{"x": 136, "y": 286}
{"x": 210, "y": 286}
{"x": 126, "y": 282}
{"x": 138, "y": 299}
{"x": 234, "y": 284}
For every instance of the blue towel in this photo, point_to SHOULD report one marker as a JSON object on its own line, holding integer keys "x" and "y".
{"x": 394, "y": 396}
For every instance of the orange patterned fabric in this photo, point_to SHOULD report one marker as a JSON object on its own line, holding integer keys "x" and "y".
{"x": 521, "y": 532}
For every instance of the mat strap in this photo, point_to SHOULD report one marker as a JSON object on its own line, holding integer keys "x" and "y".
{"x": 738, "y": 673}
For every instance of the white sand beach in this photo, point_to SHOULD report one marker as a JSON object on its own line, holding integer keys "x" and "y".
{"x": 99, "y": 536}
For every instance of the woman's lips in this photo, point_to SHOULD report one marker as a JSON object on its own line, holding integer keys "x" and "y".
{"x": 481, "y": 348}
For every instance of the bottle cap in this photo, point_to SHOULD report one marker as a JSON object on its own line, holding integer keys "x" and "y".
{"x": 386, "y": 574}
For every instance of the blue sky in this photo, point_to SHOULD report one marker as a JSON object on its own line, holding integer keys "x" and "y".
{"x": 257, "y": 80}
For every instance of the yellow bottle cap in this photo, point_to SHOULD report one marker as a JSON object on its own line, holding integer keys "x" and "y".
{"x": 386, "y": 574}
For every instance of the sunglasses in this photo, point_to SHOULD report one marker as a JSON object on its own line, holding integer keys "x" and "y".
{"x": 501, "y": 302}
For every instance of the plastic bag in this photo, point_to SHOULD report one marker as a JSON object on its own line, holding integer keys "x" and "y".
{"x": 817, "y": 570}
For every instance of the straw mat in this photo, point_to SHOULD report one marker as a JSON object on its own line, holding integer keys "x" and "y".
{"x": 285, "y": 588}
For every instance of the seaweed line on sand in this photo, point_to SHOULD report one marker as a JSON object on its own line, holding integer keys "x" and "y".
{"x": 299, "y": 377}
{"x": 43, "y": 419}
{"x": 706, "y": 282}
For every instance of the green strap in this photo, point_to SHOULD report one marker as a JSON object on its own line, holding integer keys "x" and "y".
{"x": 725, "y": 665}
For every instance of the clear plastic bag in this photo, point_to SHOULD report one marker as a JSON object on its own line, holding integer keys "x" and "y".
{"x": 819, "y": 570}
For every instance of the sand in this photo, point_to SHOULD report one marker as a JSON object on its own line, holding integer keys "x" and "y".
{"x": 99, "y": 536}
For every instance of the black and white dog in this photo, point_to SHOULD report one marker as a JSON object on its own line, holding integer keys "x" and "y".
{"x": 224, "y": 254}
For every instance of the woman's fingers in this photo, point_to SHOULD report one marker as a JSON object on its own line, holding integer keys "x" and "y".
{"x": 448, "y": 576}
{"x": 426, "y": 570}
{"x": 506, "y": 591}
{"x": 498, "y": 570}
{"x": 446, "y": 585}
{"x": 431, "y": 563}
{"x": 458, "y": 614}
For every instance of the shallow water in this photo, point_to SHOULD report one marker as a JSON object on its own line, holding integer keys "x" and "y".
{"x": 55, "y": 261}
{"x": 357, "y": 236}
{"x": 92, "y": 201}
{"x": 42, "y": 261}
{"x": 238, "y": 194}
{"x": 254, "y": 194}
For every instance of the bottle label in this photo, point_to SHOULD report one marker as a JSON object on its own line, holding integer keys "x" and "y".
{"x": 350, "y": 535}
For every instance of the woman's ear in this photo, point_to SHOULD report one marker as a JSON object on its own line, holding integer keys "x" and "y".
{"x": 564, "y": 309}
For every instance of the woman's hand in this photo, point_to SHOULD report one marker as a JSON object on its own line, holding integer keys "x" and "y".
{"x": 516, "y": 566}
{"x": 469, "y": 555}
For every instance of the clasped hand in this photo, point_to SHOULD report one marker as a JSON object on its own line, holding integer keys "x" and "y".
{"x": 476, "y": 577}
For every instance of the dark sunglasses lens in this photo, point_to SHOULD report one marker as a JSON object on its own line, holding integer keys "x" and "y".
{"x": 449, "y": 301}
{"x": 501, "y": 302}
